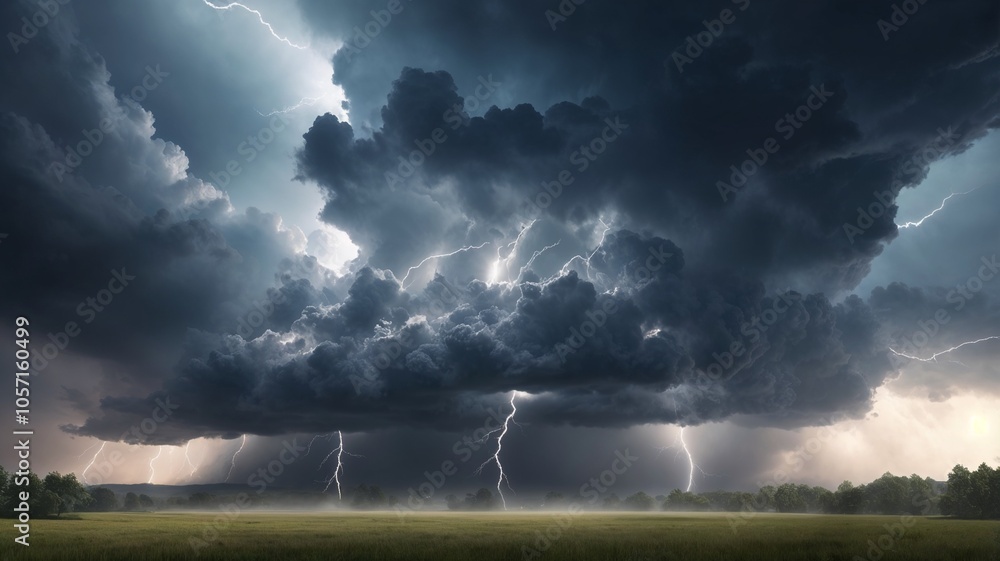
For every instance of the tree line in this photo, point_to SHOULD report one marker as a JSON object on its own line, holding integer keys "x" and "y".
{"x": 966, "y": 494}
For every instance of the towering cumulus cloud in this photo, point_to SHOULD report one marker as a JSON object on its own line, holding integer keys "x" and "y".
{"x": 642, "y": 226}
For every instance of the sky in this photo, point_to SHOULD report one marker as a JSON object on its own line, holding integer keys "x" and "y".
{"x": 378, "y": 227}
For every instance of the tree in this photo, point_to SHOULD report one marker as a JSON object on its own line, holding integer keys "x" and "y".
{"x": 145, "y": 502}
{"x": 103, "y": 499}
{"x": 453, "y": 502}
{"x": 201, "y": 499}
{"x": 972, "y": 494}
{"x": 611, "y": 502}
{"x": 552, "y": 499}
{"x": 70, "y": 494}
{"x": 639, "y": 501}
{"x": 131, "y": 501}
{"x": 685, "y": 501}
{"x": 848, "y": 499}
{"x": 787, "y": 498}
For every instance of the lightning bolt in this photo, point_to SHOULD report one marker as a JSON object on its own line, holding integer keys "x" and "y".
{"x": 565, "y": 268}
{"x": 935, "y": 211}
{"x": 681, "y": 445}
{"x": 260, "y": 18}
{"x": 339, "y": 451}
{"x": 187, "y": 458}
{"x": 402, "y": 283}
{"x": 691, "y": 464}
{"x": 495, "y": 458}
{"x": 310, "y": 446}
{"x": 304, "y": 102}
{"x": 933, "y": 357}
{"x": 506, "y": 261}
{"x": 92, "y": 460}
{"x": 233, "y": 464}
{"x": 152, "y": 472}
{"x": 535, "y": 256}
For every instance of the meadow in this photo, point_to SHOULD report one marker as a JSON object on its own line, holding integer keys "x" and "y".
{"x": 270, "y": 536}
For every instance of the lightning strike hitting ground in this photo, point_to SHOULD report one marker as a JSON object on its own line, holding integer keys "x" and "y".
{"x": 260, "y": 18}
{"x": 233, "y": 465}
{"x": 690, "y": 461}
{"x": 402, "y": 283}
{"x": 152, "y": 471}
{"x": 339, "y": 450}
{"x": 935, "y": 211}
{"x": 92, "y": 460}
{"x": 304, "y": 102}
{"x": 495, "y": 458}
{"x": 933, "y": 357}
{"x": 680, "y": 444}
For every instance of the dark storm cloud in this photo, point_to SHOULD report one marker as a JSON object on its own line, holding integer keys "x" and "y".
{"x": 694, "y": 307}
{"x": 122, "y": 252}
{"x": 379, "y": 359}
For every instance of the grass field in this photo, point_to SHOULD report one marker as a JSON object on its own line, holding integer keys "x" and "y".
{"x": 486, "y": 537}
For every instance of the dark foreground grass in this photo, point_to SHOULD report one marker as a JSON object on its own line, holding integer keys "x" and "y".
{"x": 486, "y": 537}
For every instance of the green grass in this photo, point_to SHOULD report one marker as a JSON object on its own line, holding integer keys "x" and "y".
{"x": 485, "y": 537}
